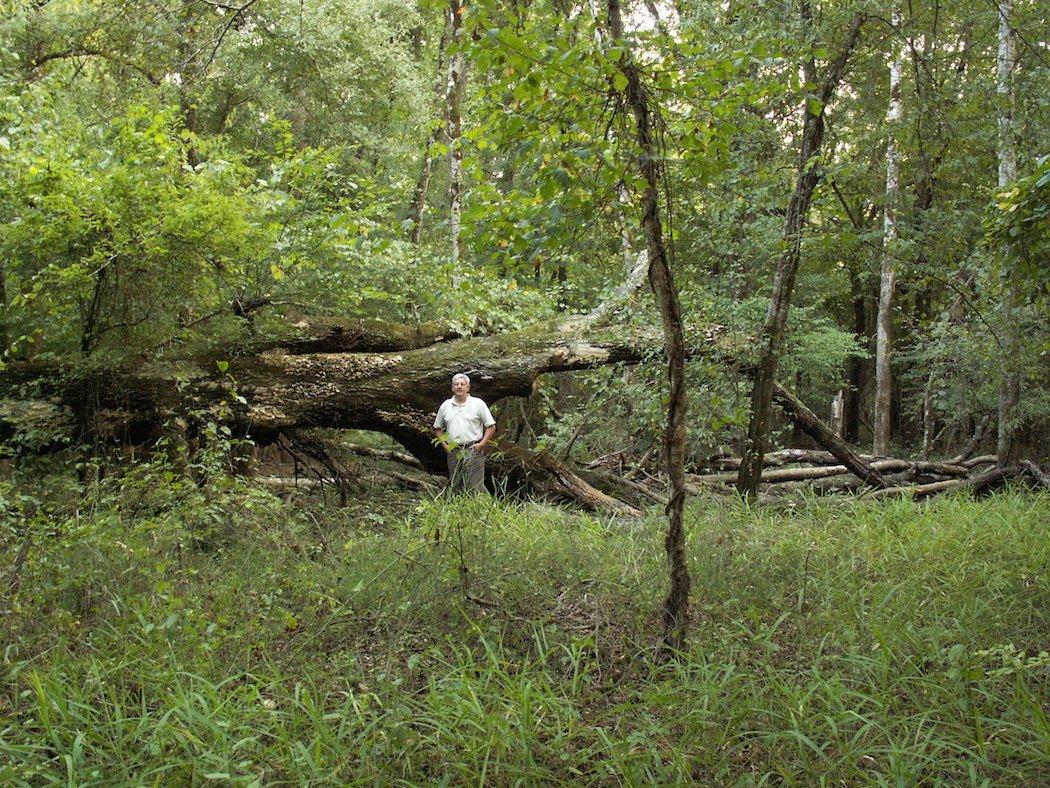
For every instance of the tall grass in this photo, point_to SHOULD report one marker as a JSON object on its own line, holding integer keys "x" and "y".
{"x": 172, "y": 635}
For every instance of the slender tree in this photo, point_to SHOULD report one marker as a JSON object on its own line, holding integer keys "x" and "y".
{"x": 888, "y": 278}
{"x": 419, "y": 195}
{"x": 775, "y": 327}
{"x": 1010, "y": 388}
{"x": 676, "y": 606}
{"x": 457, "y": 82}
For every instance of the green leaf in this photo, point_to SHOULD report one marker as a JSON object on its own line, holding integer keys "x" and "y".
{"x": 620, "y": 81}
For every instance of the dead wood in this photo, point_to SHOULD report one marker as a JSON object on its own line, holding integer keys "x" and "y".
{"x": 548, "y": 476}
{"x": 982, "y": 482}
{"x": 1037, "y": 474}
{"x": 984, "y": 459}
{"x": 621, "y": 487}
{"x": 640, "y": 465}
{"x": 778, "y": 458}
{"x": 779, "y": 475}
{"x": 811, "y": 424}
{"x": 974, "y": 441}
{"x": 390, "y": 455}
{"x": 773, "y": 476}
{"x": 311, "y": 334}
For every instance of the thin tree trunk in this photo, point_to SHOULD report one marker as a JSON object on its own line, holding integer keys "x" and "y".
{"x": 855, "y": 369}
{"x": 927, "y": 419}
{"x": 884, "y": 331}
{"x": 187, "y": 105}
{"x": 3, "y": 311}
{"x": 775, "y": 327}
{"x": 676, "y": 606}
{"x": 457, "y": 81}
{"x": 419, "y": 196}
{"x": 1010, "y": 388}
{"x": 838, "y": 403}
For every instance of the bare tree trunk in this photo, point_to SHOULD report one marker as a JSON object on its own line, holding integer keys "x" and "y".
{"x": 187, "y": 106}
{"x": 775, "y": 327}
{"x": 884, "y": 333}
{"x": 927, "y": 419}
{"x": 676, "y": 606}
{"x": 837, "y": 411}
{"x": 457, "y": 82}
{"x": 855, "y": 370}
{"x": 419, "y": 196}
{"x": 974, "y": 442}
{"x": 1010, "y": 388}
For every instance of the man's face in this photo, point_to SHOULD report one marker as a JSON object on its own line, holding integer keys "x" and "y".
{"x": 460, "y": 387}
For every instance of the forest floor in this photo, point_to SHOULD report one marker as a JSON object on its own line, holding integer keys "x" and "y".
{"x": 165, "y": 633}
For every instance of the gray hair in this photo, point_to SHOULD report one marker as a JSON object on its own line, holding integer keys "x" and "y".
{"x": 459, "y": 375}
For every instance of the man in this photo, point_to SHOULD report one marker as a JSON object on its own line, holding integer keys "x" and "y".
{"x": 464, "y": 427}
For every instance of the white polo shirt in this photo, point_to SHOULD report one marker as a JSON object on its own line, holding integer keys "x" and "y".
{"x": 464, "y": 424}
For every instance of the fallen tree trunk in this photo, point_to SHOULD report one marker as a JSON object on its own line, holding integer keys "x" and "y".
{"x": 621, "y": 487}
{"x": 264, "y": 394}
{"x": 994, "y": 477}
{"x": 813, "y": 457}
{"x": 779, "y": 458}
{"x": 548, "y": 476}
{"x": 284, "y": 388}
{"x": 974, "y": 442}
{"x": 1038, "y": 475}
{"x": 389, "y": 455}
{"x": 308, "y": 334}
{"x": 811, "y": 424}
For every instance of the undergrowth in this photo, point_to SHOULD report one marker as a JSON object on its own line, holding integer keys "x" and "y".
{"x": 161, "y": 632}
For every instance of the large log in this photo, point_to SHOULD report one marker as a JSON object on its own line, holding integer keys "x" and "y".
{"x": 289, "y": 385}
{"x": 262, "y": 394}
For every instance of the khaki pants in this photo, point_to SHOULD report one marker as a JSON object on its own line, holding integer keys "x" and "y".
{"x": 466, "y": 470}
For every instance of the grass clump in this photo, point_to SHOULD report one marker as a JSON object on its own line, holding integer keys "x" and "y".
{"x": 163, "y": 632}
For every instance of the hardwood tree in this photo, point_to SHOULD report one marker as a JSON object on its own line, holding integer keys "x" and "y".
{"x": 676, "y": 605}
{"x": 888, "y": 278}
{"x": 775, "y": 326}
{"x": 1009, "y": 391}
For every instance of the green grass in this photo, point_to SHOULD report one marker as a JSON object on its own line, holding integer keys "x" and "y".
{"x": 165, "y": 634}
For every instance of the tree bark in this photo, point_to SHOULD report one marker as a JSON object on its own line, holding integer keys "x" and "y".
{"x": 815, "y": 428}
{"x": 775, "y": 327}
{"x": 979, "y": 483}
{"x": 884, "y": 333}
{"x": 548, "y": 476}
{"x": 265, "y": 393}
{"x": 855, "y": 370}
{"x": 676, "y": 605}
{"x": 457, "y": 81}
{"x": 974, "y": 442}
{"x": 1010, "y": 388}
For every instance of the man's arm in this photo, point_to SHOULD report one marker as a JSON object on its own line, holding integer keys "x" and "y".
{"x": 489, "y": 431}
{"x": 439, "y": 430}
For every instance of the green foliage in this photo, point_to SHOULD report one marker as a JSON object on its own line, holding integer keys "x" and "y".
{"x": 168, "y": 632}
{"x": 1020, "y": 222}
{"x": 104, "y": 225}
